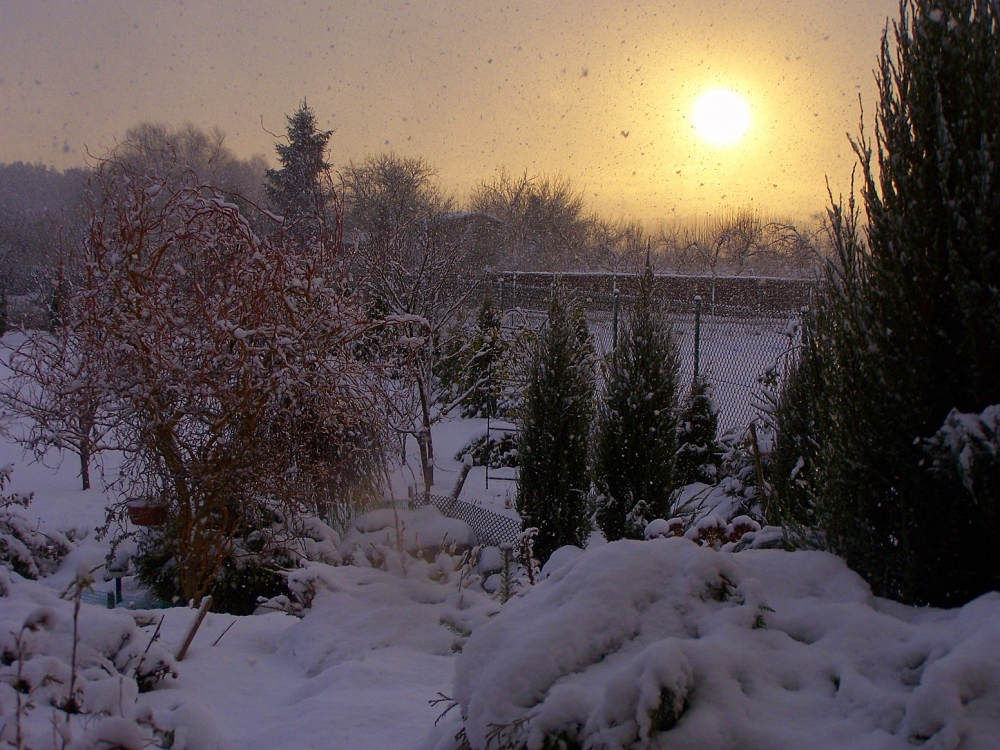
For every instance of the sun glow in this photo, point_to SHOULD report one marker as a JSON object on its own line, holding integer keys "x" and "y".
{"x": 721, "y": 117}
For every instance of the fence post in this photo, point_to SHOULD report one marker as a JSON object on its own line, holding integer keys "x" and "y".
{"x": 503, "y": 307}
{"x": 489, "y": 416}
{"x": 697, "y": 334}
{"x": 614, "y": 319}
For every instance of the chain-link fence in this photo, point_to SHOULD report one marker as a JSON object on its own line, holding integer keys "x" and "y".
{"x": 735, "y": 331}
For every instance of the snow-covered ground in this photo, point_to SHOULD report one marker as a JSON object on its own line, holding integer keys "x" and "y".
{"x": 666, "y": 644}
{"x": 358, "y": 672}
{"x": 659, "y": 643}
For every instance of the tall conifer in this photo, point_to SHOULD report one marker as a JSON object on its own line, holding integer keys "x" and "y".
{"x": 300, "y": 188}
{"x": 553, "y": 446}
{"x": 909, "y": 327}
{"x": 637, "y": 438}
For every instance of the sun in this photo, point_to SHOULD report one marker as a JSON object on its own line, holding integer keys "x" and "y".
{"x": 721, "y": 117}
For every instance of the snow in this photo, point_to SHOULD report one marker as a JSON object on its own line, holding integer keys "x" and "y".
{"x": 357, "y": 671}
{"x": 560, "y": 559}
{"x": 419, "y": 532}
{"x": 965, "y": 438}
{"x": 681, "y": 646}
{"x": 659, "y": 642}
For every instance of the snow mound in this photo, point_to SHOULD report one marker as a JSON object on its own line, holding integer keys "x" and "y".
{"x": 357, "y": 610}
{"x": 663, "y": 643}
{"x": 559, "y": 559}
{"x": 423, "y": 532}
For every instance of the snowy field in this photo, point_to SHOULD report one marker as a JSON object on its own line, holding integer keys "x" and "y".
{"x": 658, "y": 644}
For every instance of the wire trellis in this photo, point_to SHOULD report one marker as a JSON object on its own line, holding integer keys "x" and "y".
{"x": 491, "y": 528}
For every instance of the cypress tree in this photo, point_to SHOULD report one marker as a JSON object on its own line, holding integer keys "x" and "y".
{"x": 637, "y": 437}
{"x": 299, "y": 189}
{"x": 909, "y": 328}
{"x": 552, "y": 450}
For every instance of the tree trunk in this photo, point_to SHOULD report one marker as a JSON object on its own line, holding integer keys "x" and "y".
{"x": 85, "y": 463}
{"x": 427, "y": 444}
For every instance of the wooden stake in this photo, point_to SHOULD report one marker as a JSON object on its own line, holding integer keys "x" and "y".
{"x": 202, "y": 611}
{"x": 760, "y": 471}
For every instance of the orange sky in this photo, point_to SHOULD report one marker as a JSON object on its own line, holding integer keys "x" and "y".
{"x": 470, "y": 85}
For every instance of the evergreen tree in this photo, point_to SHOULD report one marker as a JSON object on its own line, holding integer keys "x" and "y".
{"x": 471, "y": 366}
{"x": 909, "y": 328}
{"x": 697, "y": 436}
{"x": 552, "y": 451}
{"x": 801, "y": 414}
{"x": 479, "y": 377}
{"x": 300, "y": 188}
{"x": 637, "y": 438}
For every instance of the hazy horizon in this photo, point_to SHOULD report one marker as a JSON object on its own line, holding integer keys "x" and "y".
{"x": 601, "y": 95}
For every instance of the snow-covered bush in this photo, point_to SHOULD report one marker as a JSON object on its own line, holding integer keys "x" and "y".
{"x": 27, "y": 548}
{"x": 494, "y": 450}
{"x": 666, "y": 644}
{"x": 967, "y": 449}
{"x": 390, "y": 537}
{"x": 354, "y": 610}
{"x": 420, "y": 545}
{"x": 738, "y": 478}
{"x": 261, "y": 551}
{"x": 70, "y": 674}
{"x": 712, "y": 531}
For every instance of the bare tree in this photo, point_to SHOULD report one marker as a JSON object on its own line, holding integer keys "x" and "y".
{"x": 233, "y": 360}
{"x": 740, "y": 242}
{"x": 618, "y": 246}
{"x": 541, "y": 222}
{"x": 60, "y": 390}
{"x": 414, "y": 250}
{"x": 158, "y": 149}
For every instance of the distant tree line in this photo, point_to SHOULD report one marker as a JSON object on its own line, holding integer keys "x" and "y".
{"x": 510, "y": 222}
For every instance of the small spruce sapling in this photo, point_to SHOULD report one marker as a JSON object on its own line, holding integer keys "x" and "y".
{"x": 506, "y": 590}
{"x": 697, "y": 436}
